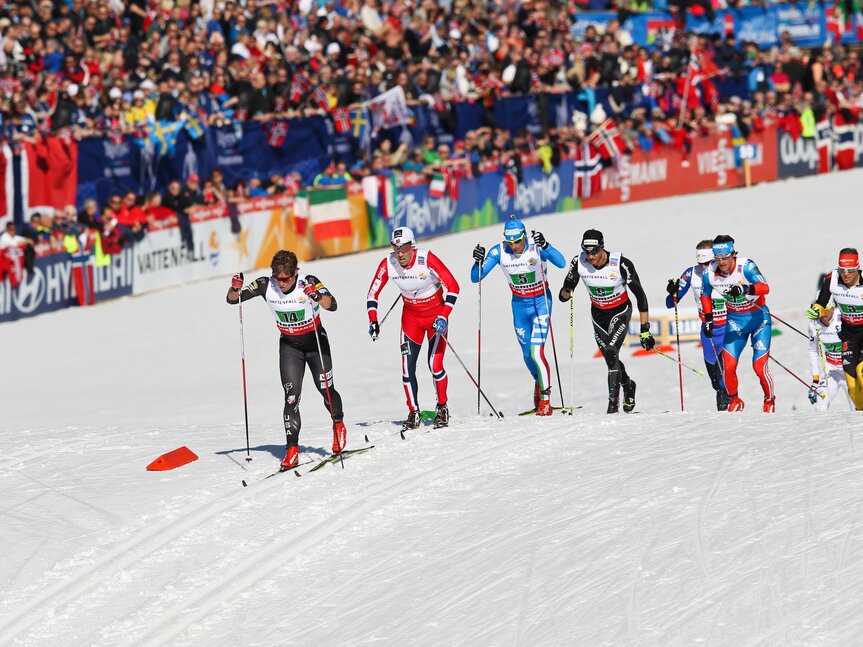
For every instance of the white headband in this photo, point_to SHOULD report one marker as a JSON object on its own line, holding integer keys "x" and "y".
{"x": 703, "y": 255}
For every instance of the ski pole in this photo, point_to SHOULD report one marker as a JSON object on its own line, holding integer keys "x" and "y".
{"x": 243, "y": 364}
{"x": 571, "y": 346}
{"x": 677, "y": 335}
{"x": 479, "y": 338}
{"x": 678, "y": 362}
{"x": 797, "y": 330}
{"x": 497, "y": 413}
{"x": 398, "y": 297}
{"x": 324, "y": 366}
{"x": 551, "y": 332}
{"x": 809, "y": 387}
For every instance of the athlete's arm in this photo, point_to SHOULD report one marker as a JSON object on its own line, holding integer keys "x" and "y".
{"x": 378, "y": 283}
{"x": 256, "y": 288}
{"x": 754, "y": 276}
{"x": 706, "y": 295}
{"x": 630, "y": 276}
{"x": 448, "y": 280}
{"x": 570, "y": 281}
{"x": 824, "y": 292}
{"x": 492, "y": 258}
{"x": 327, "y": 300}
{"x": 551, "y": 254}
{"x": 683, "y": 284}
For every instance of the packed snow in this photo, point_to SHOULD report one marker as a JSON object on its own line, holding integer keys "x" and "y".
{"x": 662, "y": 528}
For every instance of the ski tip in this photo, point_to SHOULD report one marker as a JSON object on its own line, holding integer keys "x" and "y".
{"x": 366, "y": 437}
{"x": 297, "y": 473}
{"x": 244, "y": 484}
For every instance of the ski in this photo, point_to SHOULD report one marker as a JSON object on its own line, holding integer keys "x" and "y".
{"x": 424, "y": 415}
{"x": 281, "y": 471}
{"x": 532, "y": 412}
{"x": 335, "y": 458}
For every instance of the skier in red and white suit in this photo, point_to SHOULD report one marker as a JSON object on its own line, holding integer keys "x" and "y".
{"x": 429, "y": 292}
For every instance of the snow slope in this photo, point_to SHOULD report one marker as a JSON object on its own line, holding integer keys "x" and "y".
{"x": 663, "y": 528}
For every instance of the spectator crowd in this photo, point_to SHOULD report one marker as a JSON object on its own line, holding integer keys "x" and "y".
{"x": 111, "y": 68}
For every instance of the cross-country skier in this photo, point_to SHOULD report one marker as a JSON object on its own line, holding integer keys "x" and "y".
{"x": 844, "y": 285}
{"x": 523, "y": 263}
{"x": 692, "y": 278}
{"x": 607, "y": 275}
{"x": 743, "y": 287}
{"x": 294, "y": 299}
{"x": 825, "y": 358}
{"x": 429, "y": 292}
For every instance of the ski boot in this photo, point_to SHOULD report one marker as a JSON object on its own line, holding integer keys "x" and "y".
{"x": 291, "y": 459}
{"x": 544, "y": 408}
{"x": 629, "y": 396}
{"x": 413, "y": 420}
{"x": 441, "y": 416}
{"x": 613, "y": 406}
{"x": 340, "y": 436}
{"x": 721, "y": 400}
{"x": 734, "y": 403}
{"x": 770, "y": 405}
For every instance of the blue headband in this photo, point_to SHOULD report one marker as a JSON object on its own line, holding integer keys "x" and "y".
{"x": 721, "y": 249}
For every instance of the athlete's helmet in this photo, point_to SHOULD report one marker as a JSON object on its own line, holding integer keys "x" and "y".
{"x": 513, "y": 230}
{"x": 402, "y": 236}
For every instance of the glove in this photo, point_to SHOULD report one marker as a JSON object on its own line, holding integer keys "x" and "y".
{"x": 312, "y": 292}
{"x": 479, "y": 253}
{"x": 812, "y": 311}
{"x": 672, "y": 287}
{"x": 813, "y": 390}
{"x": 539, "y": 239}
{"x": 439, "y": 325}
{"x": 374, "y": 330}
{"x": 738, "y": 291}
{"x": 647, "y": 340}
{"x": 708, "y": 325}
{"x": 564, "y": 294}
{"x": 237, "y": 282}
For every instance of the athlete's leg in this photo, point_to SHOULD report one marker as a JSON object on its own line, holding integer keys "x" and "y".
{"x": 410, "y": 351}
{"x": 323, "y": 374}
{"x": 538, "y": 335}
{"x": 711, "y": 363}
{"x": 437, "y": 347}
{"x": 840, "y": 393}
{"x": 609, "y": 330}
{"x": 292, "y": 366}
{"x": 760, "y": 338}
{"x": 522, "y": 323}
{"x": 851, "y": 362}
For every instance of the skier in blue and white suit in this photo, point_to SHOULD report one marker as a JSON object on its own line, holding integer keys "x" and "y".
{"x": 692, "y": 278}
{"x": 524, "y": 266}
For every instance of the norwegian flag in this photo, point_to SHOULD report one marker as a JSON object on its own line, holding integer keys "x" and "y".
{"x": 65, "y": 135}
{"x": 292, "y": 184}
{"x": 299, "y": 86}
{"x": 342, "y": 121}
{"x": 440, "y": 104}
{"x": 824, "y": 143}
{"x": 587, "y": 176}
{"x": 608, "y": 141}
{"x": 276, "y": 133}
{"x": 319, "y": 98}
{"x": 844, "y": 125}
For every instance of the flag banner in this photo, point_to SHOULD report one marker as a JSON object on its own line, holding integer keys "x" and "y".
{"x": 587, "y": 173}
{"x": 388, "y": 110}
{"x": 326, "y": 210}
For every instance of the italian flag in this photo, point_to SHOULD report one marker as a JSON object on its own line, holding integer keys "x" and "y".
{"x": 326, "y": 210}
{"x": 437, "y": 188}
{"x": 380, "y": 195}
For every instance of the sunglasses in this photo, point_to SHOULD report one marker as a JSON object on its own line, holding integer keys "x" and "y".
{"x": 283, "y": 279}
{"x": 592, "y": 251}
{"x": 723, "y": 257}
{"x": 514, "y": 240}
{"x": 848, "y": 270}
{"x": 402, "y": 248}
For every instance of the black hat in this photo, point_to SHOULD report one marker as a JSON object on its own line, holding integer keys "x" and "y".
{"x": 592, "y": 240}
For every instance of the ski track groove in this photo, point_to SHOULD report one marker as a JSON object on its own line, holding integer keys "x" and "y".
{"x": 252, "y": 570}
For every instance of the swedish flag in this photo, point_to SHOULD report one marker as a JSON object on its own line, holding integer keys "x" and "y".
{"x": 195, "y": 128}
{"x": 360, "y": 121}
{"x": 163, "y": 136}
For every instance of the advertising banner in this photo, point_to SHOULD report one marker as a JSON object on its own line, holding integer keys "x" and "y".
{"x": 49, "y": 286}
{"x": 796, "y": 157}
{"x": 666, "y": 172}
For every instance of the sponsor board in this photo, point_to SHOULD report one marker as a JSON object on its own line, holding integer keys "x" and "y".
{"x": 796, "y": 157}
{"x": 49, "y": 286}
